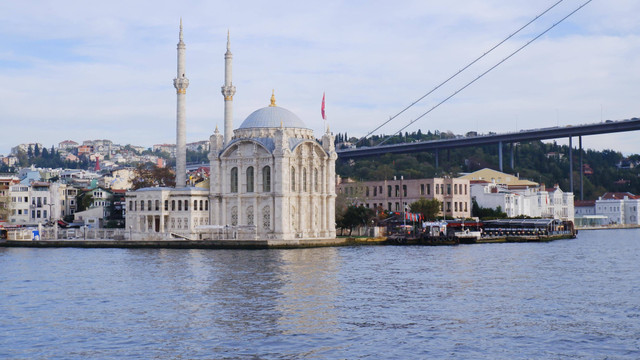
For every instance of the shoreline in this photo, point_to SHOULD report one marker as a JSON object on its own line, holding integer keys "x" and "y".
{"x": 608, "y": 227}
{"x": 260, "y": 244}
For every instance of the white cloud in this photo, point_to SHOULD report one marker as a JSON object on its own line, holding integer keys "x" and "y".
{"x": 103, "y": 69}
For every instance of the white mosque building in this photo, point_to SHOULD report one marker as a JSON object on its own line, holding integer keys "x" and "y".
{"x": 270, "y": 180}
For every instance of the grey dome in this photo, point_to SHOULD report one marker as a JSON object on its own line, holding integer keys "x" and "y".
{"x": 272, "y": 117}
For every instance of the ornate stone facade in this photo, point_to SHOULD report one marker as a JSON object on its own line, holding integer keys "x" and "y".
{"x": 277, "y": 173}
{"x": 269, "y": 181}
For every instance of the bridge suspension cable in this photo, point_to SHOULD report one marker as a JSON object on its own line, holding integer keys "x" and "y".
{"x": 461, "y": 70}
{"x": 487, "y": 71}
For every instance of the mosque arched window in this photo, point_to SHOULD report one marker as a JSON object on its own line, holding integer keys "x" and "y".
{"x": 315, "y": 180}
{"x": 234, "y": 180}
{"x": 166, "y": 205}
{"x": 266, "y": 179}
{"x": 250, "y": 179}
{"x": 157, "y": 205}
{"x": 206, "y": 205}
{"x": 201, "y": 208}
{"x": 173, "y": 205}
{"x": 293, "y": 179}
{"x": 304, "y": 179}
{"x": 179, "y": 205}
{"x": 186, "y": 205}
{"x": 149, "y": 205}
{"x": 141, "y": 205}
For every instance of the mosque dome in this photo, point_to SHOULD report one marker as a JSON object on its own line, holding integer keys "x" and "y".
{"x": 272, "y": 116}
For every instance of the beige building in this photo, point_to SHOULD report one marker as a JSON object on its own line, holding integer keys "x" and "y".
{"x": 394, "y": 195}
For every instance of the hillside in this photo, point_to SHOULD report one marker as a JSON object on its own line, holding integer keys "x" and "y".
{"x": 546, "y": 163}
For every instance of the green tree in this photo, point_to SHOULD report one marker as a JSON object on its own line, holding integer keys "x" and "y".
{"x": 487, "y": 213}
{"x": 23, "y": 158}
{"x": 356, "y": 216}
{"x": 429, "y": 208}
{"x": 84, "y": 200}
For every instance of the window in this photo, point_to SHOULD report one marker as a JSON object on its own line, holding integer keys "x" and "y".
{"x": 448, "y": 189}
{"x": 186, "y": 205}
{"x": 166, "y": 205}
{"x": 315, "y": 180}
{"x": 266, "y": 179}
{"x": 195, "y": 205}
{"x": 421, "y": 189}
{"x": 44, "y": 213}
{"x": 397, "y": 190}
{"x": 293, "y": 179}
{"x": 141, "y": 205}
{"x": 157, "y": 205}
{"x": 234, "y": 180}
{"x": 130, "y": 205}
{"x": 206, "y": 205}
{"x": 367, "y": 191}
{"x": 201, "y": 207}
{"x": 173, "y": 205}
{"x": 179, "y": 205}
{"x": 304, "y": 180}
{"x": 404, "y": 190}
{"x": 465, "y": 189}
{"x": 250, "y": 179}
{"x": 375, "y": 191}
{"x": 389, "y": 193}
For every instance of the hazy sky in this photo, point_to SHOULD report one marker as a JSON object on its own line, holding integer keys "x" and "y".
{"x": 91, "y": 70}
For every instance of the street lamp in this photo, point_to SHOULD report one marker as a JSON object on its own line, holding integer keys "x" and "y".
{"x": 51, "y": 214}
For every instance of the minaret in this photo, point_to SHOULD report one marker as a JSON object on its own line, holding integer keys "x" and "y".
{"x": 228, "y": 90}
{"x": 181, "y": 83}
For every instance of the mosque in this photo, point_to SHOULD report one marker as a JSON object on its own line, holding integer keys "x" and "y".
{"x": 270, "y": 179}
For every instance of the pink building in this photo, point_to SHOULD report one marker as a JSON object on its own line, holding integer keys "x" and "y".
{"x": 394, "y": 195}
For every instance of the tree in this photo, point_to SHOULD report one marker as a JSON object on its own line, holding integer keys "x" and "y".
{"x": 84, "y": 200}
{"x": 428, "y": 208}
{"x": 23, "y": 158}
{"x": 355, "y": 216}
{"x": 150, "y": 176}
{"x": 487, "y": 213}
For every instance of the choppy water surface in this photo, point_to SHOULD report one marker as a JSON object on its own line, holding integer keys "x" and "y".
{"x": 574, "y": 299}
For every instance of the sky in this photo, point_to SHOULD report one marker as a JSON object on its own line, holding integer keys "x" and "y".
{"x": 104, "y": 70}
